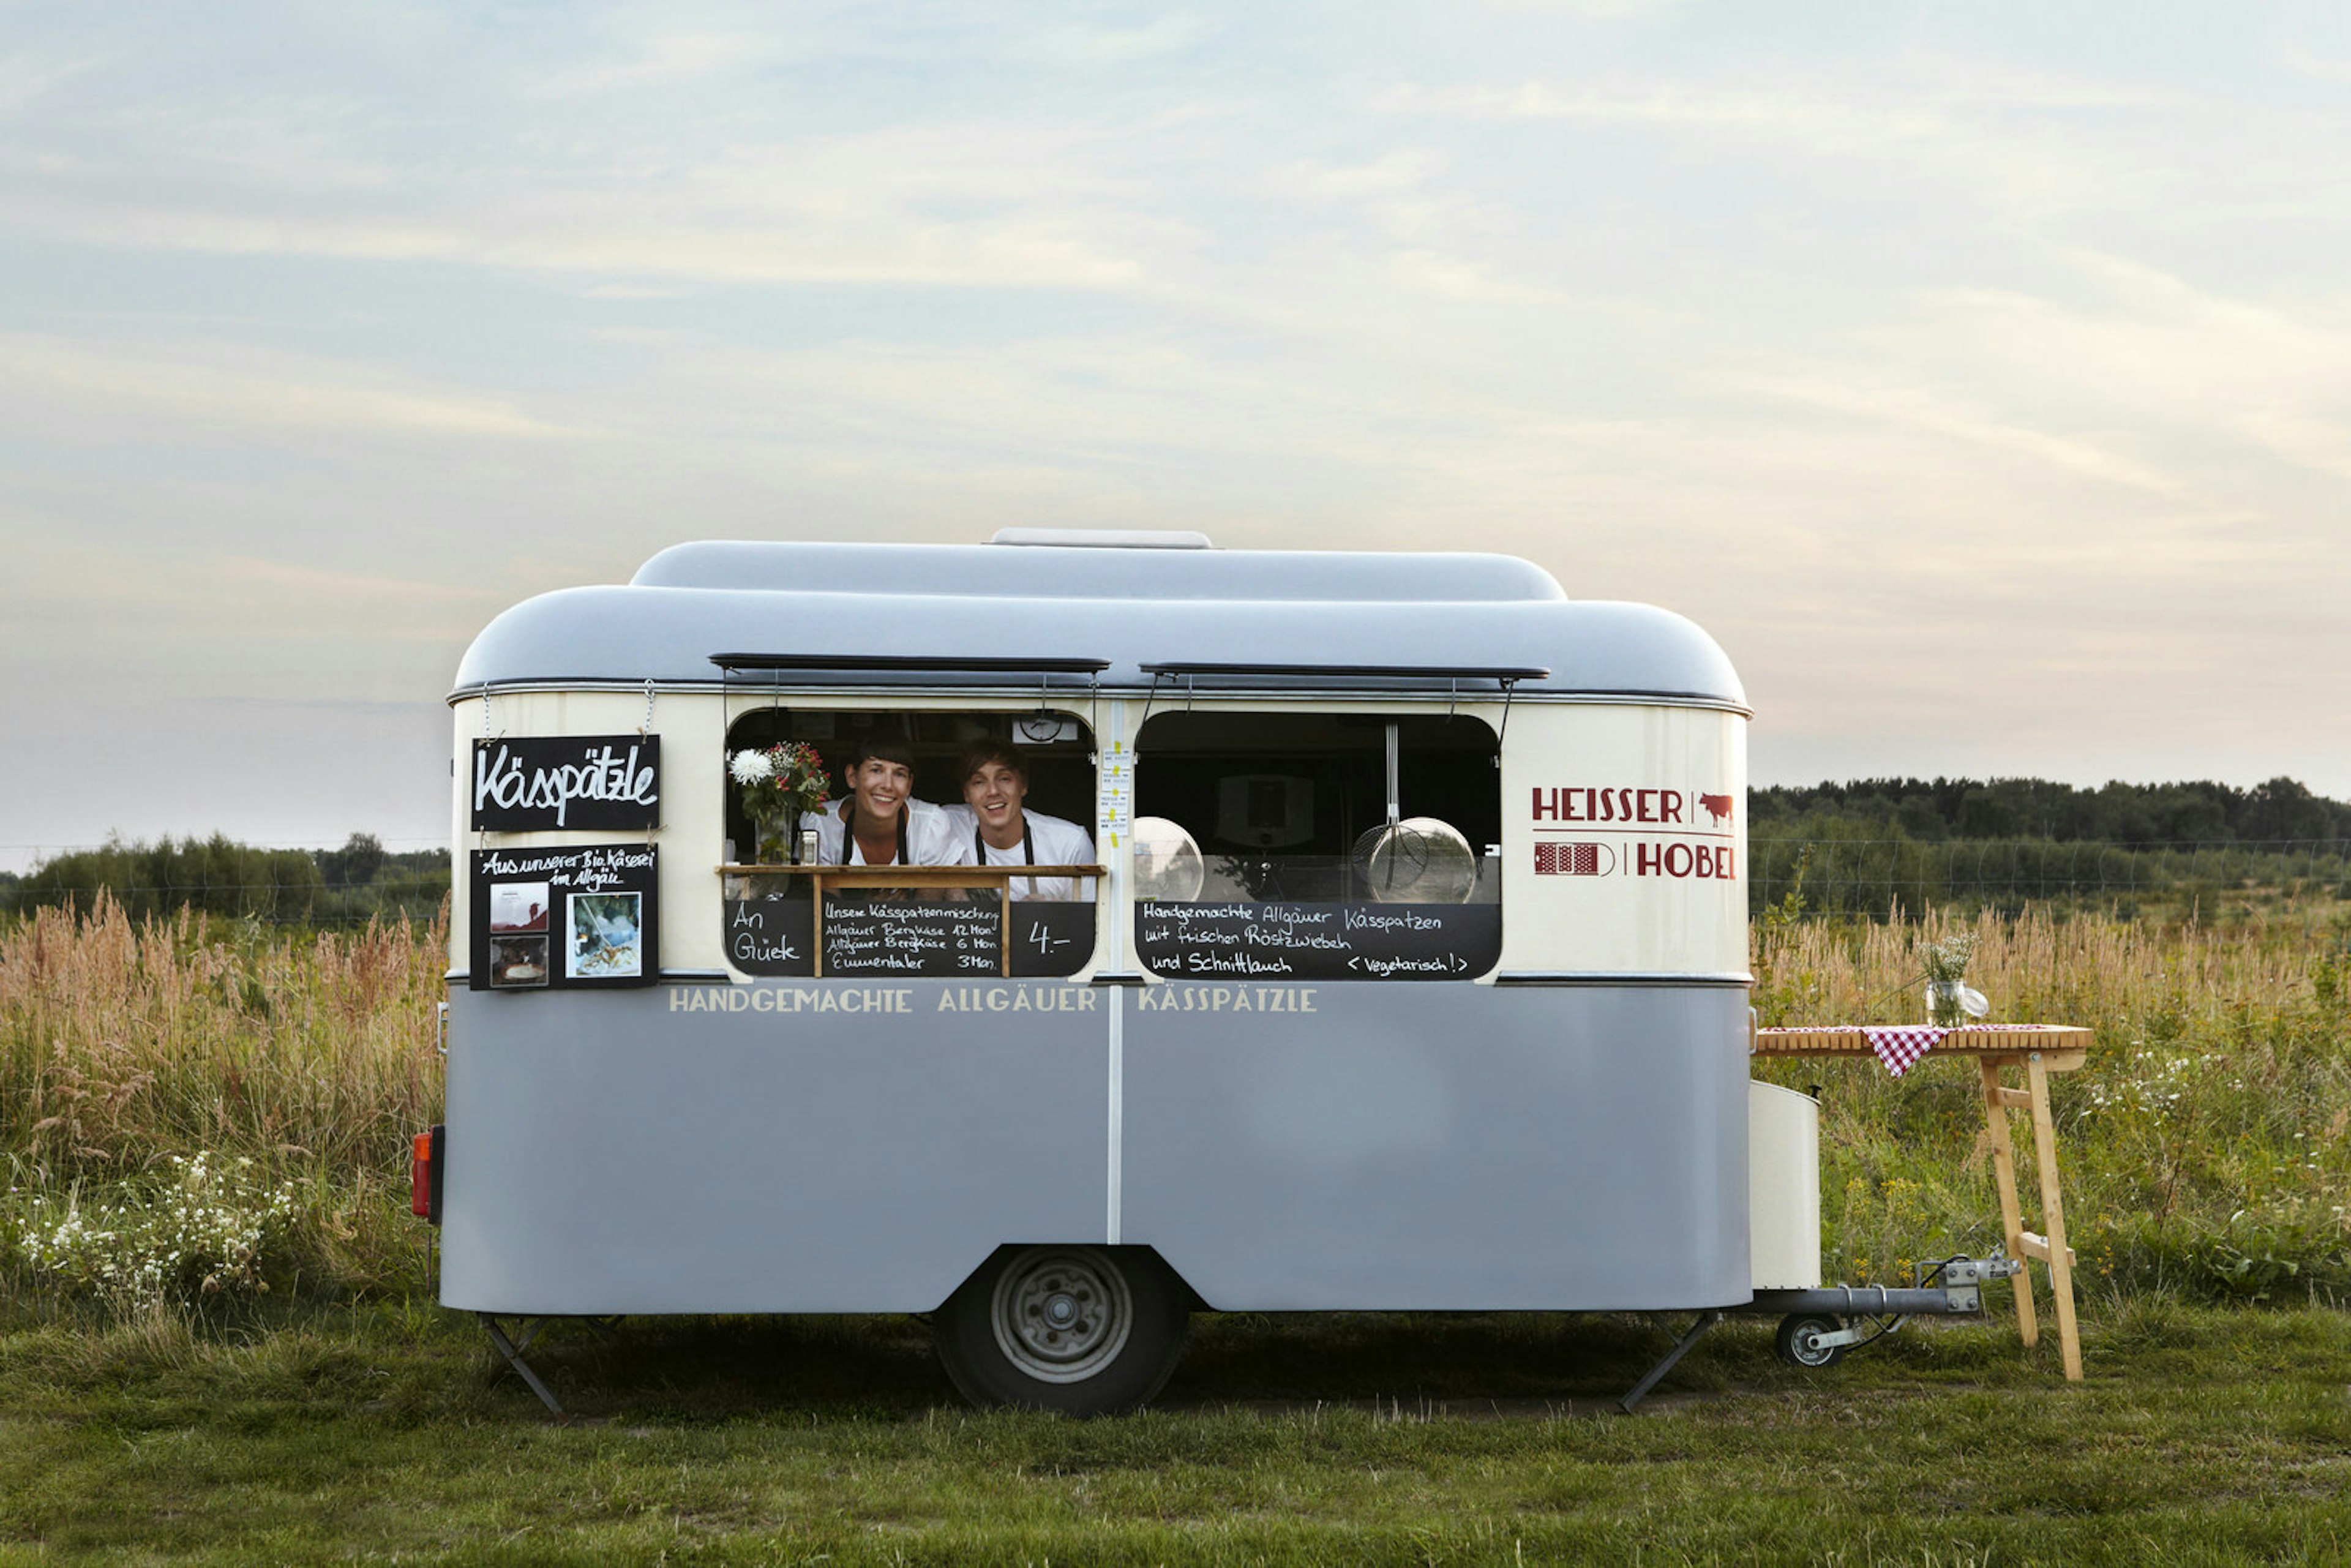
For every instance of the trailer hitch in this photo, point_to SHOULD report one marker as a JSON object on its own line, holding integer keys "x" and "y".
{"x": 1819, "y": 1324}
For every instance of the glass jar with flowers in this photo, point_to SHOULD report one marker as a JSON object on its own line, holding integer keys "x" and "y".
{"x": 778, "y": 783}
{"x": 1951, "y": 1002}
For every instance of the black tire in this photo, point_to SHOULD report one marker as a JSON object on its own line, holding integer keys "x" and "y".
{"x": 1795, "y": 1341}
{"x": 1085, "y": 1331}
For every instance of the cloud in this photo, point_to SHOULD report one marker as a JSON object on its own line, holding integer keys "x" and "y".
{"x": 27, "y": 77}
{"x": 1065, "y": 45}
{"x": 218, "y": 385}
{"x": 963, "y": 207}
{"x": 2028, "y": 142}
{"x": 666, "y": 60}
{"x": 1925, "y": 410}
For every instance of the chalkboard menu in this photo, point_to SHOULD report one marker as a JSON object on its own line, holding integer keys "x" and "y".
{"x": 939, "y": 939}
{"x": 557, "y": 915}
{"x": 1320, "y": 941}
{"x": 902, "y": 936}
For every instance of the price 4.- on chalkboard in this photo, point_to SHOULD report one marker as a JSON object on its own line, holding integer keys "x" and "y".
{"x": 1320, "y": 941}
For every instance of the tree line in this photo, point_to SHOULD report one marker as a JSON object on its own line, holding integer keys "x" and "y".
{"x": 2134, "y": 815}
{"x": 359, "y": 882}
{"x": 1877, "y": 846}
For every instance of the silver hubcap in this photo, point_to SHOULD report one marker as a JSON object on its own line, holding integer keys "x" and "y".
{"x": 1061, "y": 1314}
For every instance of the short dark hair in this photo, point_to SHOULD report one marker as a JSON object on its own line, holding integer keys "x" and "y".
{"x": 883, "y": 743}
{"x": 980, "y": 753}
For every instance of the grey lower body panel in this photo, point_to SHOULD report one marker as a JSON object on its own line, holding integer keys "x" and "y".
{"x": 617, "y": 1152}
{"x": 1445, "y": 1147}
{"x": 1422, "y": 1147}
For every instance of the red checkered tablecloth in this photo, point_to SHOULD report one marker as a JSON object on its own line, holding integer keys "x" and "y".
{"x": 1900, "y": 1045}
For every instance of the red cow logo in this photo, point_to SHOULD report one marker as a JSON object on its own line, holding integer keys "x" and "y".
{"x": 1718, "y": 806}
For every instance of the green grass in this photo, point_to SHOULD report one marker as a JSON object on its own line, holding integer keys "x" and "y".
{"x": 371, "y": 1432}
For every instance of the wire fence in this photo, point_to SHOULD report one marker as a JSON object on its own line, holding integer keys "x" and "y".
{"x": 1878, "y": 879}
{"x": 366, "y": 880}
{"x": 1882, "y": 878}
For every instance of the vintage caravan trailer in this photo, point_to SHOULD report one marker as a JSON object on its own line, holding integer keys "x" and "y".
{"x": 1407, "y": 968}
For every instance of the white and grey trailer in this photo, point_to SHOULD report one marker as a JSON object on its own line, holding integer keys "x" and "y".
{"x": 1417, "y": 978}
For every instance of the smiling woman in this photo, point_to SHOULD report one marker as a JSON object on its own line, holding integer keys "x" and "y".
{"x": 878, "y": 821}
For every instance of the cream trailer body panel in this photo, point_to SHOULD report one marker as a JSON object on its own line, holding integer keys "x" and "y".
{"x": 1625, "y": 833}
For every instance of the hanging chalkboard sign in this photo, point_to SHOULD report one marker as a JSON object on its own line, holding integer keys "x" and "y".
{"x": 775, "y": 937}
{"x": 563, "y": 915}
{"x": 537, "y": 783}
{"x": 1319, "y": 941}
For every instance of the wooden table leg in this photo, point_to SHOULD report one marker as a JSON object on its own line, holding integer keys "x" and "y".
{"x": 2003, "y": 1171}
{"x": 2052, "y": 1215}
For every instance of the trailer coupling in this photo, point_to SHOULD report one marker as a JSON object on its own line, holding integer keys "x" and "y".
{"x": 1821, "y": 1324}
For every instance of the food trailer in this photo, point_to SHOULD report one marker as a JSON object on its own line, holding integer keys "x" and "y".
{"x": 1414, "y": 974}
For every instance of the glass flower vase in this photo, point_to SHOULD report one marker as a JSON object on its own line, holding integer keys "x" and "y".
{"x": 779, "y": 837}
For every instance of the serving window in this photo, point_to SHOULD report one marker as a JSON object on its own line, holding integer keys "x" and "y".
{"x": 932, "y": 843}
{"x": 1334, "y": 846}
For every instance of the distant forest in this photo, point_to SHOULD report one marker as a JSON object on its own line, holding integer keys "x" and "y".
{"x": 2134, "y": 815}
{"x": 359, "y": 882}
{"x": 1882, "y": 847}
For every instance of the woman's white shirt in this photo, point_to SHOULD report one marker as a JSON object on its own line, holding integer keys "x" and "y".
{"x": 931, "y": 837}
{"x": 1057, "y": 842}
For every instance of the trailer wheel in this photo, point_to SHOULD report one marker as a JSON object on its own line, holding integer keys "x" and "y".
{"x": 1083, "y": 1329}
{"x": 1799, "y": 1341}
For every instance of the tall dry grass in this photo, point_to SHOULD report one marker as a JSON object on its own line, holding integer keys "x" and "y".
{"x": 2203, "y": 1145}
{"x": 2042, "y": 968}
{"x": 125, "y": 1044}
{"x": 121, "y": 1044}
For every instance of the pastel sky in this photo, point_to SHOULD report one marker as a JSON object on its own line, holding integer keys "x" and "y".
{"x": 1979, "y": 374}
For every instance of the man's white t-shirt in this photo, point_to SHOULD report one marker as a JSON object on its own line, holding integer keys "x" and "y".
{"x": 931, "y": 837}
{"x": 1055, "y": 841}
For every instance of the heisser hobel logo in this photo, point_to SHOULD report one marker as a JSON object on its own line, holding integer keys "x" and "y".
{"x": 1620, "y": 812}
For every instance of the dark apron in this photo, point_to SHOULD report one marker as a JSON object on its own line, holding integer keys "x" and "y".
{"x": 1028, "y": 852}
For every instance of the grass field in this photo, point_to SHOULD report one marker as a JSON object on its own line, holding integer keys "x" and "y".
{"x": 216, "y": 1340}
{"x": 376, "y": 1431}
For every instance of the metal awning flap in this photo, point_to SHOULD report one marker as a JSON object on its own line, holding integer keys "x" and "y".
{"x": 1198, "y": 675}
{"x": 948, "y": 664}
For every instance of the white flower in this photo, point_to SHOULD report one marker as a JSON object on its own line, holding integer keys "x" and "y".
{"x": 752, "y": 767}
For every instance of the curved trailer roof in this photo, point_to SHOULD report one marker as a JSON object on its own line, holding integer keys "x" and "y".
{"x": 1024, "y": 614}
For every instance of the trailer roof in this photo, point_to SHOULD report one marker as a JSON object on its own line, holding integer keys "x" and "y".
{"x": 876, "y": 613}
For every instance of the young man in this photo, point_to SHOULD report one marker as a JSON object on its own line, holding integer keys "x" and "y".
{"x": 996, "y": 830}
{"x": 880, "y": 823}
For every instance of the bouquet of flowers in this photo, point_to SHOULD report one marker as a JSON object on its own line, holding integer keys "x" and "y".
{"x": 1951, "y": 1003}
{"x": 787, "y": 778}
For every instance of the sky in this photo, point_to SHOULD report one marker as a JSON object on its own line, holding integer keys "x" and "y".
{"x": 1979, "y": 375}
